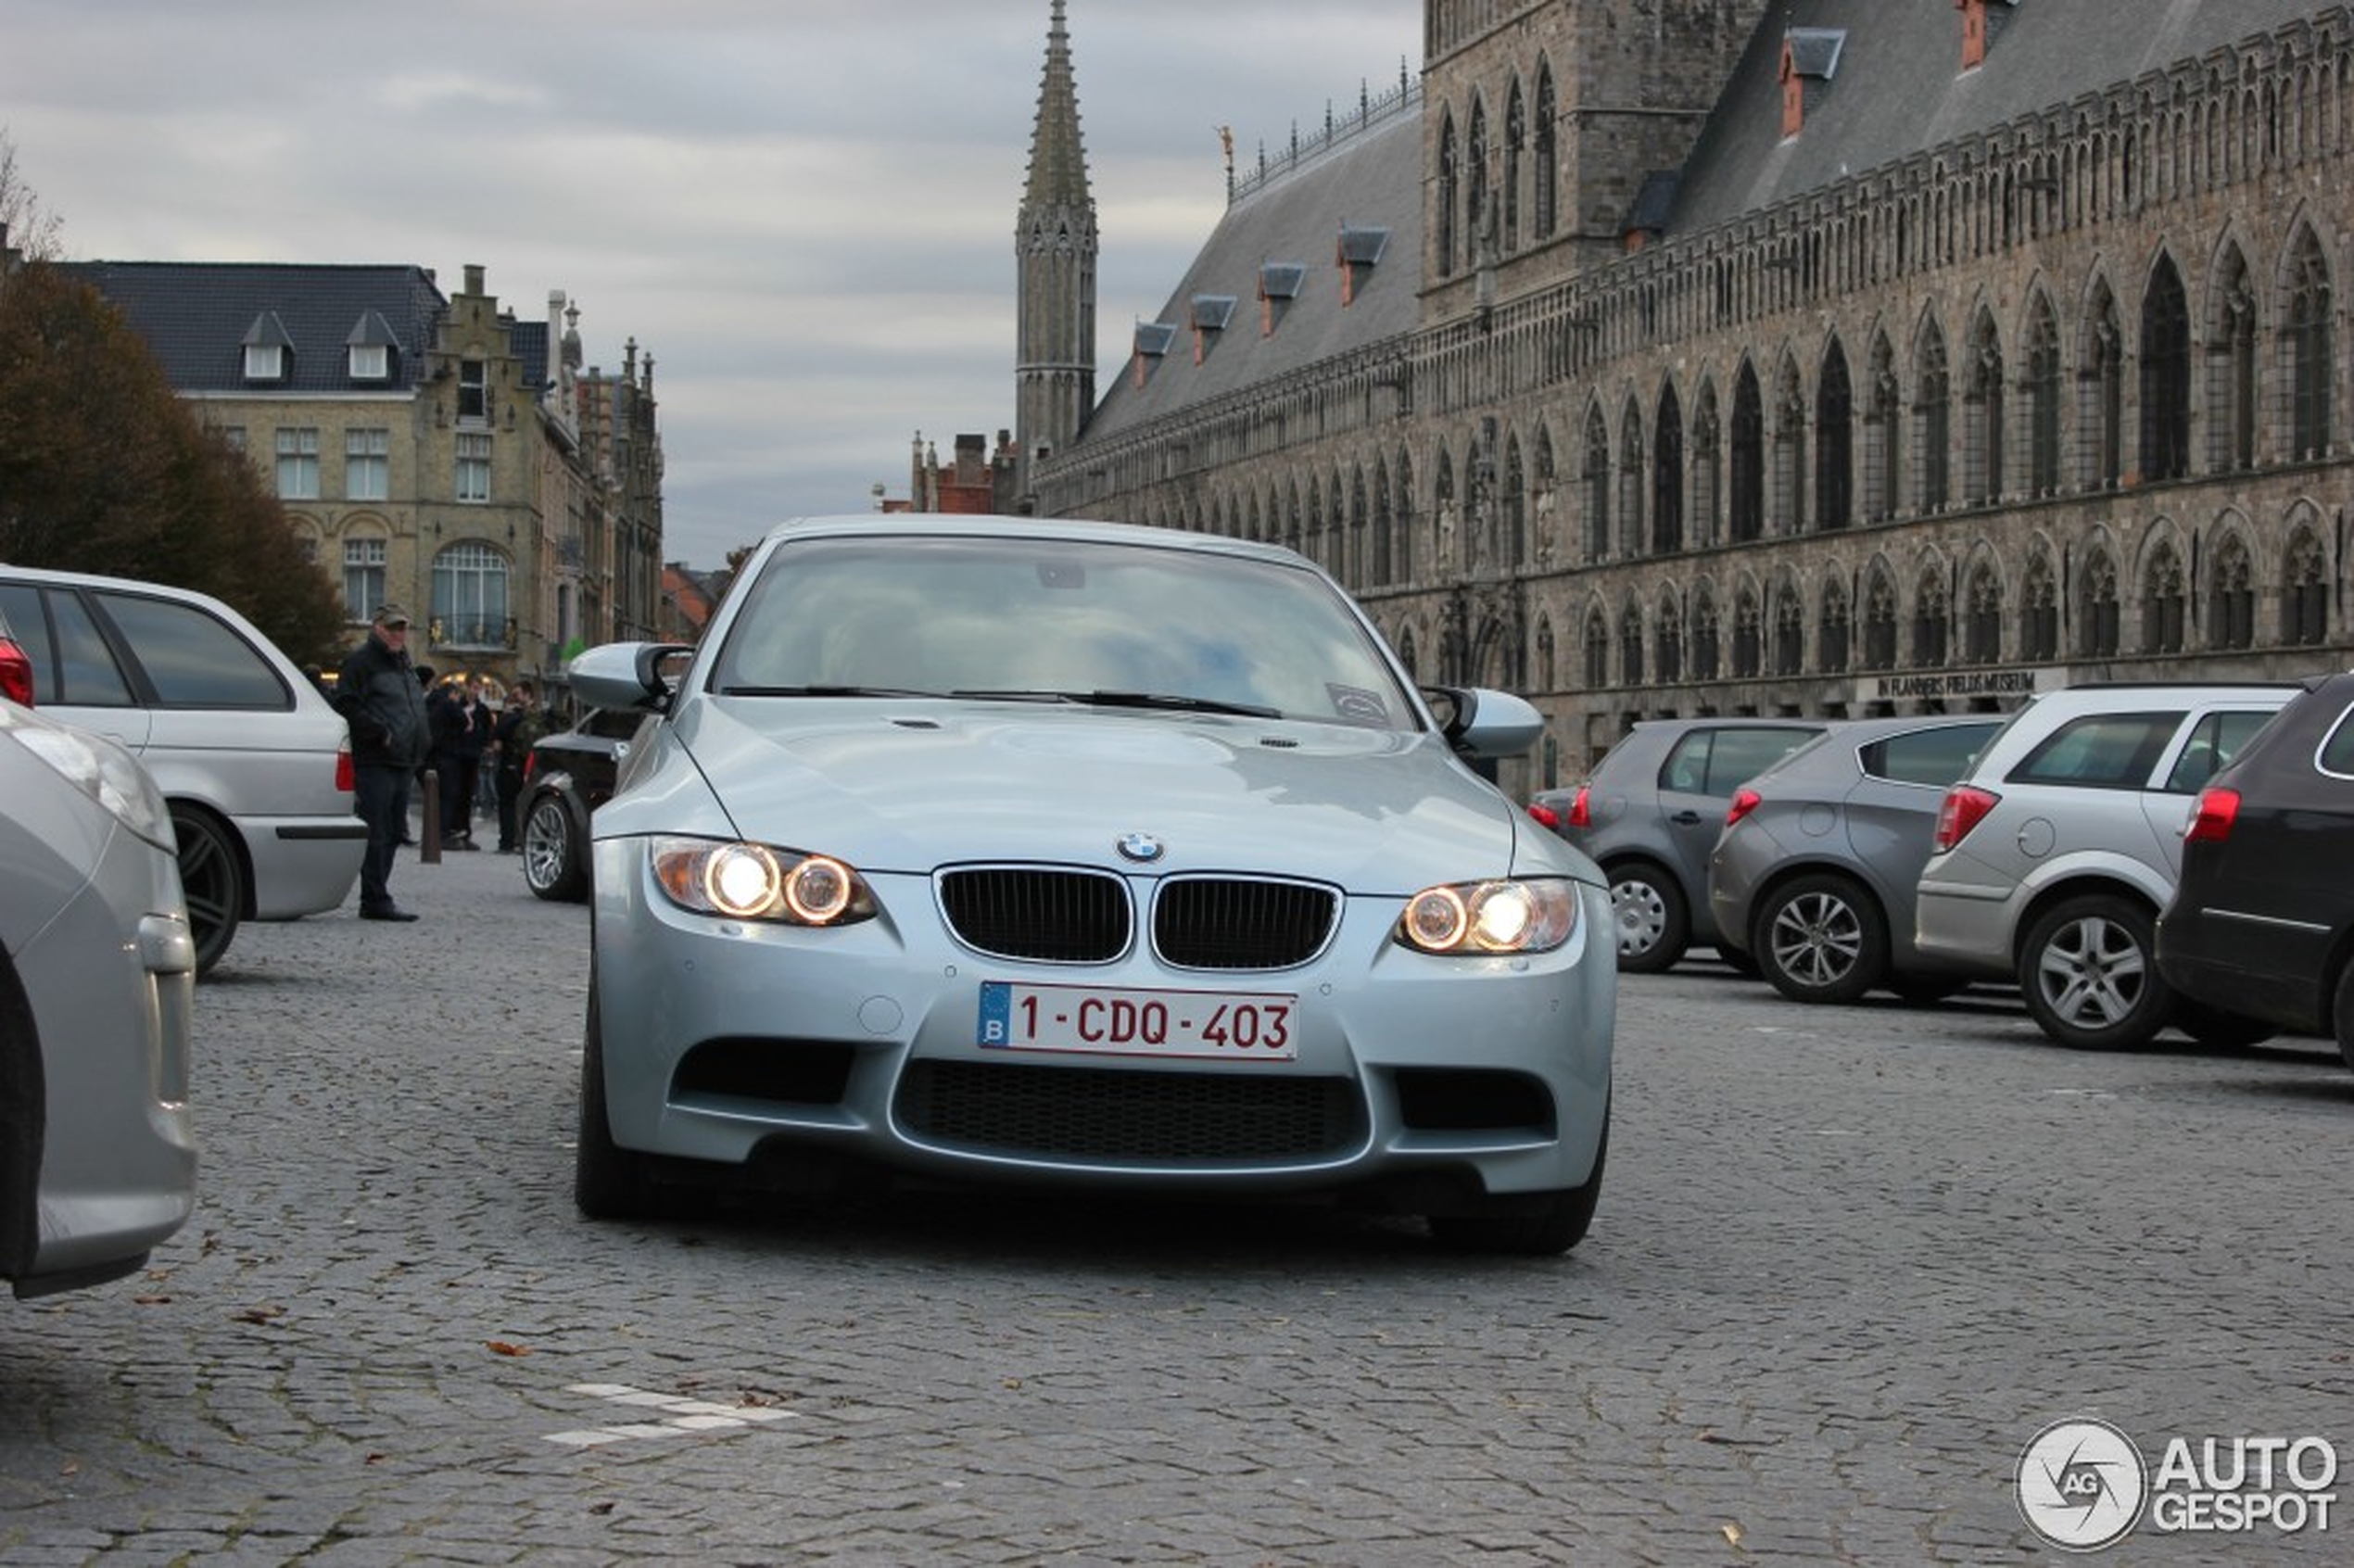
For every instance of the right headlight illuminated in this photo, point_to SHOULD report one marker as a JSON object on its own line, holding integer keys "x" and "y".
{"x": 1534, "y": 915}
{"x": 752, "y": 881}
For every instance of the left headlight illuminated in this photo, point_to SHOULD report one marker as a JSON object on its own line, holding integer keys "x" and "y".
{"x": 1534, "y": 915}
{"x": 747, "y": 882}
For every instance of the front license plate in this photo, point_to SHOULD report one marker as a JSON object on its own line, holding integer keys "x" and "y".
{"x": 1250, "y": 1026}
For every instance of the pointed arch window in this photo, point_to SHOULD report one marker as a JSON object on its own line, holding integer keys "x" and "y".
{"x": 1546, "y": 206}
{"x": 2165, "y": 602}
{"x": 1747, "y": 636}
{"x": 2099, "y": 612}
{"x": 1515, "y": 484}
{"x": 1446, "y": 197}
{"x": 1834, "y": 444}
{"x": 1749, "y": 459}
{"x": 1478, "y": 236}
{"x": 1933, "y": 418}
{"x": 1597, "y": 486}
{"x": 1597, "y": 651}
{"x": 1546, "y": 673}
{"x": 1515, "y": 138}
{"x": 1879, "y": 623}
{"x": 2043, "y": 401}
{"x": 2039, "y": 611}
{"x": 1832, "y": 637}
{"x": 1790, "y": 453}
{"x": 1982, "y": 416}
{"x": 2166, "y": 381}
{"x": 1402, "y": 562}
{"x": 2311, "y": 364}
{"x": 1671, "y": 640}
{"x": 1932, "y": 621}
{"x": 1789, "y": 632}
{"x": 1667, "y": 476}
{"x": 1632, "y": 468}
{"x": 1630, "y": 645}
{"x": 1708, "y": 470}
{"x": 1704, "y": 637}
{"x": 1442, "y": 506}
{"x": 2231, "y": 605}
{"x": 1983, "y": 613}
{"x": 2305, "y": 594}
{"x": 2230, "y": 369}
{"x": 2103, "y": 419}
{"x": 1883, "y": 437}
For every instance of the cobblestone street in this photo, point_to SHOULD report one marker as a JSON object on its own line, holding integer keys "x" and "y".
{"x": 1847, "y": 1263}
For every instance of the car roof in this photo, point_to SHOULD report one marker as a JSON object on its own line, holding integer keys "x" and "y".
{"x": 944, "y": 526}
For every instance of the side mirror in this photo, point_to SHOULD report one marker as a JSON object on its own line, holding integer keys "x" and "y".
{"x": 629, "y": 675}
{"x": 1481, "y": 722}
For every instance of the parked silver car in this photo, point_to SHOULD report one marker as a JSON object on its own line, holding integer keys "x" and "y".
{"x": 2056, "y": 851}
{"x": 1814, "y": 871}
{"x": 97, "y": 1157}
{"x": 255, "y": 764}
{"x": 1649, "y": 814}
{"x": 1089, "y": 856}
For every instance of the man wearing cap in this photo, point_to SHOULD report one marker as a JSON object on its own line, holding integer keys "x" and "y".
{"x": 377, "y": 693}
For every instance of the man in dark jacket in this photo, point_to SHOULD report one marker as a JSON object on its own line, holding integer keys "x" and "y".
{"x": 377, "y": 693}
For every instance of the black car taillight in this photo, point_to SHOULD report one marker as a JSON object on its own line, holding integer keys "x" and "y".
{"x": 2211, "y": 819}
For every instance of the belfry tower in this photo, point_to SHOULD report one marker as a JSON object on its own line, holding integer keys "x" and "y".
{"x": 1055, "y": 249}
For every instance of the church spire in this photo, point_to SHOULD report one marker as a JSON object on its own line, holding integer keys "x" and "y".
{"x": 1054, "y": 250}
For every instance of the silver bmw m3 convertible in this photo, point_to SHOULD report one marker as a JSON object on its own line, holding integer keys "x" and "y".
{"x": 993, "y": 849}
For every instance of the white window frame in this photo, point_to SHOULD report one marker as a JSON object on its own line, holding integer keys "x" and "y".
{"x": 363, "y": 577}
{"x": 474, "y": 469}
{"x": 297, "y": 462}
{"x": 367, "y": 464}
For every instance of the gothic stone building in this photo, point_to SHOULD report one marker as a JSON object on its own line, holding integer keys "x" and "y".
{"x": 1827, "y": 357}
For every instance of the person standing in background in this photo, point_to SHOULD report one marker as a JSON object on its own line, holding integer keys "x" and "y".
{"x": 519, "y": 728}
{"x": 377, "y": 693}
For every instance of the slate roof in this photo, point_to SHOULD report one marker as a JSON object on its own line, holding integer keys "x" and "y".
{"x": 1370, "y": 181}
{"x": 1900, "y": 89}
{"x": 196, "y": 315}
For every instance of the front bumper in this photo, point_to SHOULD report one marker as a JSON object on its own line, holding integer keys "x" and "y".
{"x": 742, "y": 1044}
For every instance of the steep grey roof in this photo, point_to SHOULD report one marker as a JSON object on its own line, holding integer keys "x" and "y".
{"x": 1367, "y": 188}
{"x": 196, "y": 315}
{"x": 1899, "y": 88}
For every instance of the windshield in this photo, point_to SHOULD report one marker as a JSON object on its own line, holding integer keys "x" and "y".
{"x": 1056, "y": 621}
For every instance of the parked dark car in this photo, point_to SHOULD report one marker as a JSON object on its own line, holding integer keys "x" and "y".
{"x": 1814, "y": 873}
{"x": 567, "y": 776}
{"x": 2262, "y": 918}
{"x": 1650, "y": 815}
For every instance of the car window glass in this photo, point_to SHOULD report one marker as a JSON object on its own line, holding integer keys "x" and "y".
{"x": 83, "y": 667}
{"x": 1927, "y": 756}
{"x": 2214, "y": 740}
{"x": 2100, "y": 751}
{"x": 1741, "y": 755}
{"x": 193, "y": 658}
{"x": 978, "y": 615}
{"x": 2338, "y": 747}
{"x": 1687, "y": 767}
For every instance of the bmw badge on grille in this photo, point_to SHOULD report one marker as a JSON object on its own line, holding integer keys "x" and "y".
{"x": 1141, "y": 847}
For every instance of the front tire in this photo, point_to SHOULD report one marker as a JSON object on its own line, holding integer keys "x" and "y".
{"x": 213, "y": 881}
{"x": 553, "y": 865}
{"x": 1553, "y": 1226}
{"x": 1821, "y": 938}
{"x": 609, "y": 1182}
{"x": 1653, "y": 926}
{"x": 2089, "y": 975}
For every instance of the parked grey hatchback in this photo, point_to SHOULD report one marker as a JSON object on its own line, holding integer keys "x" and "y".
{"x": 2056, "y": 851}
{"x": 1649, "y": 814}
{"x": 1814, "y": 871}
{"x": 254, "y": 764}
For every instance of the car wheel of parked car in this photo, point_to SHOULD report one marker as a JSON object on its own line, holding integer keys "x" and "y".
{"x": 1653, "y": 925}
{"x": 2342, "y": 1010}
{"x": 1821, "y": 938}
{"x": 213, "y": 879}
{"x": 2221, "y": 1028}
{"x": 609, "y": 1182}
{"x": 553, "y": 864}
{"x": 1551, "y": 1227}
{"x": 2089, "y": 975}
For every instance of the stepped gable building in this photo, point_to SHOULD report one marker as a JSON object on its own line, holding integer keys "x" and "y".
{"x": 1826, "y": 357}
{"x": 436, "y": 451}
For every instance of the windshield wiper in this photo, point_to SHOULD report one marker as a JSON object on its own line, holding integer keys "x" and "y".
{"x": 1167, "y": 701}
{"x": 821, "y": 691}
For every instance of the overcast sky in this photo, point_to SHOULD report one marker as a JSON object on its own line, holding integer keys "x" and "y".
{"x": 804, "y": 210}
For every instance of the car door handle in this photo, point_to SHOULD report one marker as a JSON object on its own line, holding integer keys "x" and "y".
{"x": 1684, "y": 818}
